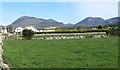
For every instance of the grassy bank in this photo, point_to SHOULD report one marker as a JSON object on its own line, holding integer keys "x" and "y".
{"x": 73, "y": 53}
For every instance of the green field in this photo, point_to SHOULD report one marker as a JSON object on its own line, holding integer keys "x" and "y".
{"x": 72, "y": 53}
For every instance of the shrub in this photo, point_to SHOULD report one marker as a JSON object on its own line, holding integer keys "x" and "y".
{"x": 27, "y": 34}
{"x": 114, "y": 32}
{"x": 57, "y": 29}
{"x": 100, "y": 27}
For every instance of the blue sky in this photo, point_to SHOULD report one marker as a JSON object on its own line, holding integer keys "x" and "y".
{"x": 66, "y": 12}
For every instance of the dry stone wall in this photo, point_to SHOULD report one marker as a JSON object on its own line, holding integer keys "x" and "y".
{"x": 3, "y": 66}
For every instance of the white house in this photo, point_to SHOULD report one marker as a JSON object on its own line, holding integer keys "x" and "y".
{"x": 2, "y": 28}
{"x": 18, "y": 29}
{"x": 31, "y": 28}
{"x": 4, "y": 31}
{"x": 42, "y": 30}
{"x": 50, "y": 29}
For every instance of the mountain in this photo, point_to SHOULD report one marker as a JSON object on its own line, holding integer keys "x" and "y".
{"x": 69, "y": 24}
{"x": 95, "y": 21}
{"x": 43, "y": 23}
{"x": 115, "y": 20}
{"x": 36, "y": 22}
{"x": 91, "y": 21}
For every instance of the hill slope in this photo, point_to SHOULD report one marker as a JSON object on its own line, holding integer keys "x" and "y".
{"x": 91, "y": 21}
{"x": 95, "y": 21}
{"x": 36, "y": 22}
{"x": 115, "y": 20}
{"x": 43, "y": 23}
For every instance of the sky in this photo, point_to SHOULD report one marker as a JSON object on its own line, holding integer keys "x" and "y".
{"x": 59, "y": 0}
{"x": 66, "y": 12}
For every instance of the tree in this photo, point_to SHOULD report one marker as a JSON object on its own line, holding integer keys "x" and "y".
{"x": 58, "y": 29}
{"x": 9, "y": 29}
{"x": 78, "y": 28}
{"x": 100, "y": 27}
{"x": 27, "y": 34}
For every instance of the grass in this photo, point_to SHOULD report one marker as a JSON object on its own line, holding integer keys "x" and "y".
{"x": 73, "y": 53}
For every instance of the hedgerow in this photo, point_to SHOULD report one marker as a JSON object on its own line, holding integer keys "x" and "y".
{"x": 74, "y": 31}
{"x": 114, "y": 32}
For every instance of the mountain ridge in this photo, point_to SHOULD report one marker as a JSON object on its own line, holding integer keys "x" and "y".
{"x": 43, "y": 23}
{"x": 36, "y": 22}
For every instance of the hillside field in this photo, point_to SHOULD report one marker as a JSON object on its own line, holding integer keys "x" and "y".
{"x": 69, "y": 53}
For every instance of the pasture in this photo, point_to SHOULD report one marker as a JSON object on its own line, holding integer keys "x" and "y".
{"x": 68, "y": 53}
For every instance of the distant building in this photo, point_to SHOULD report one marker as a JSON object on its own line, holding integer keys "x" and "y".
{"x": 47, "y": 29}
{"x": 50, "y": 29}
{"x": 18, "y": 29}
{"x": 32, "y": 28}
{"x": 109, "y": 27}
{"x": 2, "y": 28}
{"x": 41, "y": 30}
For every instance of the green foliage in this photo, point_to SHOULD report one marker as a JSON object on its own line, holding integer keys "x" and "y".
{"x": 9, "y": 29}
{"x": 78, "y": 28}
{"x": 57, "y": 29}
{"x": 113, "y": 26}
{"x": 74, "y": 31}
{"x": 114, "y": 32}
{"x": 100, "y": 27}
{"x": 74, "y": 53}
{"x": 27, "y": 34}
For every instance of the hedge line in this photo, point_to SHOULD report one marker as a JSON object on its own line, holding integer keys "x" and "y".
{"x": 114, "y": 32}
